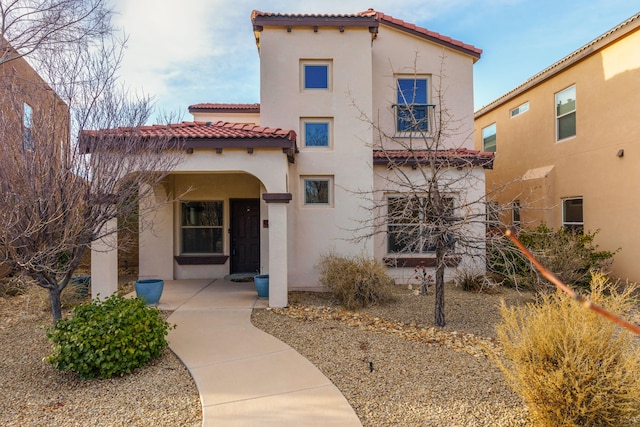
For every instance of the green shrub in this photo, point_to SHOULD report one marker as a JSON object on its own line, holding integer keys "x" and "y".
{"x": 572, "y": 366}
{"x": 570, "y": 255}
{"x": 108, "y": 338}
{"x": 356, "y": 282}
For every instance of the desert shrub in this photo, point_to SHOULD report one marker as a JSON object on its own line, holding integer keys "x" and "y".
{"x": 572, "y": 366}
{"x": 356, "y": 282}
{"x": 570, "y": 255}
{"x": 108, "y": 338}
{"x": 472, "y": 281}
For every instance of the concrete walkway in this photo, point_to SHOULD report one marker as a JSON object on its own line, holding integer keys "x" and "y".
{"x": 245, "y": 377}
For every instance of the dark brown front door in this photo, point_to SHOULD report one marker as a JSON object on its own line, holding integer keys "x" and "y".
{"x": 245, "y": 236}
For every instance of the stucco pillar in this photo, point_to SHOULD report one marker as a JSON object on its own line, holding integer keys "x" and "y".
{"x": 156, "y": 236}
{"x": 278, "y": 257}
{"x": 104, "y": 262}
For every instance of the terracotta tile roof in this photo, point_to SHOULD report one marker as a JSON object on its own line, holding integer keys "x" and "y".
{"x": 590, "y": 48}
{"x": 454, "y": 157}
{"x": 202, "y": 130}
{"x": 224, "y": 108}
{"x": 370, "y": 18}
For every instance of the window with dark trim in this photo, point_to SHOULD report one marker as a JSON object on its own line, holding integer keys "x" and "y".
{"x": 489, "y": 138}
{"x": 412, "y": 105}
{"x": 572, "y": 214}
{"x": 317, "y": 191}
{"x": 414, "y": 224}
{"x": 202, "y": 227}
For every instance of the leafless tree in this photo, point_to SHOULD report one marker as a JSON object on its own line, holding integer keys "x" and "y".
{"x": 429, "y": 196}
{"x": 40, "y": 27}
{"x": 73, "y": 158}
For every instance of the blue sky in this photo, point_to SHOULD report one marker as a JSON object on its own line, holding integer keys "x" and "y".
{"x": 204, "y": 50}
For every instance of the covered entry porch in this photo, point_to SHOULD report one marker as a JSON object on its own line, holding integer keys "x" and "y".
{"x": 222, "y": 210}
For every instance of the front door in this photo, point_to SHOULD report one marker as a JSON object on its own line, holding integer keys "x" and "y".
{"x": 245, "y": 236}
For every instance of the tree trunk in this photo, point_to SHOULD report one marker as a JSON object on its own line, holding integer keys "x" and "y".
{"x": 439, "y": 310}
{"x": 56, "y": 304}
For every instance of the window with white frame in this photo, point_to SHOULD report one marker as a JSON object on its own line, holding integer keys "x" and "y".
{"x": 315, "y": 74}
{"x": 412, "y": 104}
{"x": 522, "y": 108}
{"x": 515, "y": 213}
{"x": 202, "y": 227}
{"x": 317, "y": 191}
{"x": 566, "y": 113}
{"x": 316, "y": 132}
{"x": 27, "y": 127}
{"x": 414, "y": 225}
{"x": 489, "y": 138}
{"x": 572, "y": 214}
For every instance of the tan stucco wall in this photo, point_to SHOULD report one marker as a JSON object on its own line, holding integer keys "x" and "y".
{"x": 450, "y": 73}
{"x": 316, "y": 230}
{"x": 586, "y": 165}
{"x": 238, "y": 117}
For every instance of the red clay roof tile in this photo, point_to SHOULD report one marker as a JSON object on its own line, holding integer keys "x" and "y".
{"x": 218, "y": 107}
{"x": 458, "y": 157}
{"x": 262, "y": 18}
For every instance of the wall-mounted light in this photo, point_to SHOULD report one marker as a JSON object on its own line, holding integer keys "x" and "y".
{"x": 620, "y": 152}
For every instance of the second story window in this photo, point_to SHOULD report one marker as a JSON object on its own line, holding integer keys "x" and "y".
{"x": 522, "y": 108}
{"x": 566, "y": 113}
{"x": 315, "y": 74}
{"x": 411, "y": 107}
{"x": 27, "y": 125}
{"x": 489, "y": 138}
{"x": 316, "y": 132}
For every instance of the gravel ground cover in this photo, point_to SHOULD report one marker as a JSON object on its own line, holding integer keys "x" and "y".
{"x": 35, "y": 394}
{"x": 394, "y": 368}
{"x": 391, "y": 365}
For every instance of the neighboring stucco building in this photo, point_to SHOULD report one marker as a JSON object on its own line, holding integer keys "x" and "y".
{"x": 275, "y": 192}
{"x": 30, "y": 110}
{"x": 567, "y": 143}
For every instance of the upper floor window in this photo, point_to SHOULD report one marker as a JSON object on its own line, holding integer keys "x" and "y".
{"x": 27, "y": 125}
{"x": 316, "y": 74}
{"x": 572, "y": 215}
{"x": 316, "y": 133}
{"x": 489, "y": 138}
{"x": 412, "y": 105}
{"x": 202, "y": 227}
{"x": 522, "y": 108}
{"x": 566, "y": 113}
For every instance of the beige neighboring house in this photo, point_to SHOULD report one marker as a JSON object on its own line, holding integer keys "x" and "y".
{"x": 568, "y": 139}
{"x": 277, "y": 189}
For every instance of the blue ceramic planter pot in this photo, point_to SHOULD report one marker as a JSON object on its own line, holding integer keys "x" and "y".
{"x": 149, "y": 290}
{"x": 262, "y": 285}
{"x": 82, "y": 284}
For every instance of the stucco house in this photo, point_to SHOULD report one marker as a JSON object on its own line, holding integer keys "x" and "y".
{"x": 568, "y": 142}
{"x": 272, "y": 187}
{"x": 29, "y": 109}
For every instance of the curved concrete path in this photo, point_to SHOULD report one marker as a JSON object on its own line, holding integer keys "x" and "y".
{"x": 245, "y": 377}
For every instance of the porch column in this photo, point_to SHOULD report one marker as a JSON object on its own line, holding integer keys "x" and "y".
{"x": 104, "y": 263}
{"x": 278, "y": 257}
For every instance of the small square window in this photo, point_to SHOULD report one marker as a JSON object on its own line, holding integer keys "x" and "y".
{"x": 315, "y": 76}
{"x": 316, "y": 133}
{"x": 317, "y": 191}
{"x": 489, "y": 138}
